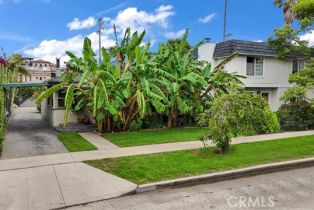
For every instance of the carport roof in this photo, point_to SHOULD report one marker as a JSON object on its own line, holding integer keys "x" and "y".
{"x": 26, "y": 84}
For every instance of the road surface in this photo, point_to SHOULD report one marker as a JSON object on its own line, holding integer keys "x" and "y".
{"x": 282, "y": 190}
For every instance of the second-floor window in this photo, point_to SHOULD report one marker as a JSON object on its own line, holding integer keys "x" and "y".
{"x": 297, "y": 65}
{"x": 254, "y": 66}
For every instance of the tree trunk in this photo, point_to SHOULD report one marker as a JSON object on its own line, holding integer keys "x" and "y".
{"x": 170, "y": 119}
{"x": 99, "y": 126}
{"x": 225, "y": 147}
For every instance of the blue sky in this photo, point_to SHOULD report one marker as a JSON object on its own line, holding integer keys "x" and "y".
{"x": 46, "y": 28}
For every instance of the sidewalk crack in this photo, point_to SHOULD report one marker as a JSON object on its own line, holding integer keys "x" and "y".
{"x": 54, "y": 170}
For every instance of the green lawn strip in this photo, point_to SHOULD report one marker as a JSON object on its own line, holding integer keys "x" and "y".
{"x": 144, "y": 137}
{"x": 75, "y": 142}
{"x": 142, "y": 169}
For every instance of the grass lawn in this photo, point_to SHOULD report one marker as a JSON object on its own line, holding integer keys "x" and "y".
{"x": 74, "y": 142}
{"x": 163, "y": 166}
{"x": 144, "y": 137}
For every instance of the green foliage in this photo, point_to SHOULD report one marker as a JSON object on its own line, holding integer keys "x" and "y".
{"x": 303, "y": 81}
{"x": 287, "y": 38}
{"x": 24, "y": 93}
{"x": 239, "y": 114}
{"x": 149, "y": 168}
{"x": 136, "y": 124}
{"x": 155, "y": 136}
{"x": 2, "y": 110}
{"x": 132, "y": 83}
{"x": 298, "y": 115}
{"x": 74, "y": 142}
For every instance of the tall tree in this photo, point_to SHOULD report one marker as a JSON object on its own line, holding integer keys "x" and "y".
{"x": 287, "y": 39}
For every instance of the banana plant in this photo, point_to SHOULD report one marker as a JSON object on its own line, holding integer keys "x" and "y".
{"x": 185, "y": 80}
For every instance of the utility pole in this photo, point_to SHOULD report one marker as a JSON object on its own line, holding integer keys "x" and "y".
{"x": 225, "y": 21}
{"x": 101, "y": 26}
{"x": 4, "y": 55}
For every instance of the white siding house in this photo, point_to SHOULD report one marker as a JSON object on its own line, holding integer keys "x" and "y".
{"x": 264, "y": 74}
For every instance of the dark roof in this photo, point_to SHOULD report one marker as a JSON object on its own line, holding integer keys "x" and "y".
{"x": 224, "y": 49}
{"x": 58, "y": 80}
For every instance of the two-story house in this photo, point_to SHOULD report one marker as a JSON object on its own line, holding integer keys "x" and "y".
{"x": 264, "y": 74}
{"x": 39, "y": 70}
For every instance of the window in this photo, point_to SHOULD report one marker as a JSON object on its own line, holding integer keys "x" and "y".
{"x": 297, "y": 65}
{"x": 254, "y": 66}
{"x": 30, "y": 78}
{"x": 40, "y": 78}
{"x": 61, "y": 97}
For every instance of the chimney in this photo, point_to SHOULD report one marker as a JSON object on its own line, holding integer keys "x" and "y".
{"x": 58, "y": 63}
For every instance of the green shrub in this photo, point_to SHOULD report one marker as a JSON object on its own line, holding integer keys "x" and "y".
{"x": 239, "y": 114}
{"x": 135, "y": 125}
{"x": 2, "y": 115}
{"x": 297, "y": 115}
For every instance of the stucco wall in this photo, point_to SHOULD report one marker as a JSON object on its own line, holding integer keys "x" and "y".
{"x": 56, "y": 116}
{"x": 275, "y": 74}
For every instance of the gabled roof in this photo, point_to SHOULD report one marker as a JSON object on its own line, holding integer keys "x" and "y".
{"x": 226, "y": 48}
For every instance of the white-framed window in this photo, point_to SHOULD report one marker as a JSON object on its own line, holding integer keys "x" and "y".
{"x": 254, "y": 66}
{"x": 297, "y": 64}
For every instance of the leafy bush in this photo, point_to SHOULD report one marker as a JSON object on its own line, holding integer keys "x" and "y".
{"x": 239, "y": 114}
{"x": 2, "y": 114}
{"x": 297, "y": 115}
{"x": 135, "y": 125}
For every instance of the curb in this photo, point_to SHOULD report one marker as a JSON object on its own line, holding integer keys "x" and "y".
{"x": 227, "y": 175}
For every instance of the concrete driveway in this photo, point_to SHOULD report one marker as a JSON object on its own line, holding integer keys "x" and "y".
{"x": 29, "y": 135}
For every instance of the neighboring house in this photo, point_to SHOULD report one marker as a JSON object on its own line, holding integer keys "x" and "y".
{"x": 264, "y": 74}
{"x": 39, "y": 71}
{"x": 53, "y": 108}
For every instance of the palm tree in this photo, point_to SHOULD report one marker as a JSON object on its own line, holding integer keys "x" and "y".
{"x": 287, "y": 6}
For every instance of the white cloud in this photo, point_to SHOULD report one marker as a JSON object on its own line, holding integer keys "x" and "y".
{"x": 174, "y": 35}
{"x": 164, "y": 8}
{"x": 50, "y": 49}
{"x": 142, "y": 20}
{"x": 207, "y": 19}
{"x": 155, "y": 23}
{"x": 76, "y": 24}
{"x": 309, "y": 37}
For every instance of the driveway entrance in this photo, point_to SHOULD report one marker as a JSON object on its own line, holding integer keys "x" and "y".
{"x": 29, "y": 135}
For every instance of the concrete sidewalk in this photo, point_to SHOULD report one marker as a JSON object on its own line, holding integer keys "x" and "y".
{"x": 20, "y": 163}
{"x": 55, "y": 186}
{"x": 60, "y": 180}
{"x": 98, "y": 141}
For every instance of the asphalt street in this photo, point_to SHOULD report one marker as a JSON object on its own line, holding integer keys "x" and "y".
{"x": 282, "y": 190}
